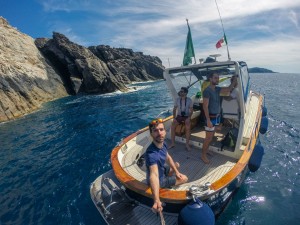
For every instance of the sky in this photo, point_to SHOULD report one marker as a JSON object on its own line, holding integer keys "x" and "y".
{"x": 263, "y": 33}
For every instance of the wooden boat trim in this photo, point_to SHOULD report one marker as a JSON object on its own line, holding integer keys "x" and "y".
{"x": 243, "y": 161}
{"x": 128, "y": 181}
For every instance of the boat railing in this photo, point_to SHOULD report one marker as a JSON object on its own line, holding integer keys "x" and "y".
{"x": 112, "y": 191}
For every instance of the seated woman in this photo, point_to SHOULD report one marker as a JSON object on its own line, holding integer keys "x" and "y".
{"x": 182, "y": 112}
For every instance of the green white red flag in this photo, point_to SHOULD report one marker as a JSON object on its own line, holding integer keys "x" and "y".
{"x": 221, "y": 42}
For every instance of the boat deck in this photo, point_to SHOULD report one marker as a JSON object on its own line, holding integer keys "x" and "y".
{"x": 191, "y": 165}
{"x": 196, "y": 170}
{"x": 107, "y": 190}
{"x": 198, "y": 135}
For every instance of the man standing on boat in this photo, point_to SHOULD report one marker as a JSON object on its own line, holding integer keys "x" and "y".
{"x": 162, "y": 172}
{"x": 182, "y": 113}
{"x": 212, "y": 109}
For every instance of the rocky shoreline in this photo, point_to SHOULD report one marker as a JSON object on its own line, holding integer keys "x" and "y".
{"x": 34, "y": 71}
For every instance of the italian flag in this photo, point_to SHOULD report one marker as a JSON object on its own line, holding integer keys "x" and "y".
{"x": 221, "y": 42}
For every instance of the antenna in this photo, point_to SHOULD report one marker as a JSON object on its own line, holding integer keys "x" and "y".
{"x": 215, "y": 56}
{"x": 223, "y": 31}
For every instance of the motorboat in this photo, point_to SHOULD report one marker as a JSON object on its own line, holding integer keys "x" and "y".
{"x": 122, "y": 195}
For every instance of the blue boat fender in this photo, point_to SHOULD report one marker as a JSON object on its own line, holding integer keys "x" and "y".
{"x": 256, "y": 158}
{"x": 264, "y": 125}
{"x": 196, "y": 213}
{"x": 264, "y": 111}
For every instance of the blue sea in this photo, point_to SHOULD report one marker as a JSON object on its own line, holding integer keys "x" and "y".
{"x": 49, "y": 158}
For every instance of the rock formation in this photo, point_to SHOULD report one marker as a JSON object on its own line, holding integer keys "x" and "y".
{"x": 79, "y": 67}
{"x": 36, "y": 71}
{"x": 260, "y": 70}
{"x": 26, "y": 79}
{"x": 129, "y": 66}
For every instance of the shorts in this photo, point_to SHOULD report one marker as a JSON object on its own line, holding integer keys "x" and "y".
{"x": 167, "y": 181}
{"x": 181, "y": 119}
{"x": 215, "y": 120}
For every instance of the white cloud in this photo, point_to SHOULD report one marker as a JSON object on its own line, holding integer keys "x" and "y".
{"x": 294, "y": 17}
{"x": 159, "y": 28}
{"x": 279, "y": 54}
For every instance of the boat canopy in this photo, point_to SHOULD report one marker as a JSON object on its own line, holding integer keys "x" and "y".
{"x": 193, "y": 75}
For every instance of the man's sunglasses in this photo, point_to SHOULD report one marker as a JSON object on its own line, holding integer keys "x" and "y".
{"x": 156, "y": 121}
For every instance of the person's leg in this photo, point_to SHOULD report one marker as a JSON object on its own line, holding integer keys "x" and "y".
{"x": 188, "y": 133}
{"x": 170, "y": 172}
{"x": 169, "y": 181}
{"x": 183, "y": 180}
{"x": 173, "y": 127}
{"x": 208, "y": 138}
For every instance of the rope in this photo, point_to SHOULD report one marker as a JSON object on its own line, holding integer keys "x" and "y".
{"x": 162, "y": 219}
{"x": 198, "y": 190}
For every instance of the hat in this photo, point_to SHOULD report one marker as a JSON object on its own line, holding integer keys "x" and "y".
{"x": 185, "y": 89}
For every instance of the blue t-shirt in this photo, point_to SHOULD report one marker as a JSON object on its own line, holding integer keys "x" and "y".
{"x": 214, "y": 104}
{"x": 154, "y": 155}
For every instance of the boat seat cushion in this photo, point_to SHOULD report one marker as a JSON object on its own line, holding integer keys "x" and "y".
{"x": 230, "y": 109}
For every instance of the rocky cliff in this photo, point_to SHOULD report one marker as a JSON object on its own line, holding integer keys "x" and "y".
{"x": 36, "y": 71}
{"x": 128, "y": 66}
{"x": 26, "y": 79}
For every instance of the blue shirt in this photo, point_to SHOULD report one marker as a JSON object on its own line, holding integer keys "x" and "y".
{"x": 214, "y": 104}
{"x": 154, "y": 155}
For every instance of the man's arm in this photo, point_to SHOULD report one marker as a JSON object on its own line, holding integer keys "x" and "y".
{"x": 191, "y": 108}
{"x": 206, "y": 112}
{"x": 191, "y": 112}
{"x": 154, "y": 184}
{"x": 227, "y": 90}
{"x": 171, "y": 163}
{"x": 174, "y": 111}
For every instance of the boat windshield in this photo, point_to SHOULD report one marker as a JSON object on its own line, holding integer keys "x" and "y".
{"x": 185, "y": 79}
{"x": 193, "y": 77}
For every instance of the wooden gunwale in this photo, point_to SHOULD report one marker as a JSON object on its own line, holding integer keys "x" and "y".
{"x": 243, "y": 161}
{"x": 166, "y": 195}
{"x": 174, "y": 196}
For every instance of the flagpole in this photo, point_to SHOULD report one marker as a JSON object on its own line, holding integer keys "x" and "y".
{"x": 187, "y": 22}
{"x": 223, "y": 30}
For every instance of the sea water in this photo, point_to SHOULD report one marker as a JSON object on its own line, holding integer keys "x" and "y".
{"x": 49, "y": 158}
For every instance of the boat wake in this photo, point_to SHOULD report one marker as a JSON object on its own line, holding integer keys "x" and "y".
{"x": 254, "y": 198}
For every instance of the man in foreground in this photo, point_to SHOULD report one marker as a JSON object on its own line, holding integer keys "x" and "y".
{"x": 162, "y": 172}
{"x": 212, "y": 109}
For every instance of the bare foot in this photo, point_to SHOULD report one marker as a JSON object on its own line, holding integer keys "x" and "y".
{"x": 204, "y": 159}
{"x": 188, "y": 147}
